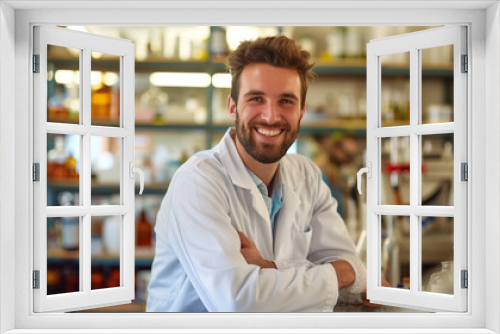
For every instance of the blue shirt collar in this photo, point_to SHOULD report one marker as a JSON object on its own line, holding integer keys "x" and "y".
{"x": 273, "y": 203}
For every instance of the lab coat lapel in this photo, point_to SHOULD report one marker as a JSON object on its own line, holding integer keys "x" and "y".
{"x": 239, "y": 177}
{"x": 286, "y": 218}
{"x": 260, "y": 223}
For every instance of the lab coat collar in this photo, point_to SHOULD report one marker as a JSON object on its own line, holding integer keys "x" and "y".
{"x": 232, "y": 162}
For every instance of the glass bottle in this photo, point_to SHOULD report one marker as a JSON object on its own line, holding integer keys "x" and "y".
{"x": 70, "y": 165}
{"x": 336, "y": 43}
{"x": 442, "y": 281}
{"x": 218, "y": 45}
{"x": 101, "y": 101}
{"x": 56, "y": 107}
{"x": 144, "y": 230}
{"x": 154, "y": 101}
{"x": 96, "y": 278}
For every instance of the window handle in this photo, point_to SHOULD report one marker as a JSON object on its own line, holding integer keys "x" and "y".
{"x": 368, "y": 171}
{"x": 134, "y": 170}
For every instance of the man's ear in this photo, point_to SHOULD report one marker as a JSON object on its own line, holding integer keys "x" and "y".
{"x": 302, "y": 113}
{"x": 231, "y": 107}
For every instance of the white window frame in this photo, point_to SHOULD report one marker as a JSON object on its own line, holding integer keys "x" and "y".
{"x": 125, "y": 51}
{"x": 483, "y": 20}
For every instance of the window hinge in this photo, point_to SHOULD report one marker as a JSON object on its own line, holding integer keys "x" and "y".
{"x": 36, "y": 279}
{"x": 465, "y": 279}
{"x": 36, "y": 63}
{"x": 465, "y": 64}
{"x": 36, "y": 172}
{"x": 464, "y": 171}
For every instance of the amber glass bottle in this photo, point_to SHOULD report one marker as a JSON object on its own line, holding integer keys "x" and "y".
{"x": 144, "y": 230}
{"x": 101, "y": 102}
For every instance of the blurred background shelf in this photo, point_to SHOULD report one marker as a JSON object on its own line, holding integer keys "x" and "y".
{"x": 104, "y": 188}
{"x": 143, "y": 257}
{"x": 356, "y": 67}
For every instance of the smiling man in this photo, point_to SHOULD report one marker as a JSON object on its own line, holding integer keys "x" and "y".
{"x": 245, "y": 227}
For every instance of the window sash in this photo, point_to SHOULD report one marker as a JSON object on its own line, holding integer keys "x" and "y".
{"x": 86, "y": 297}
{"x": 413, "y": 43}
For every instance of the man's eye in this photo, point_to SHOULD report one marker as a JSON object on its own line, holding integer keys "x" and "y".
{"x": 257, "y": 99}
{"x": 286, "y": 101}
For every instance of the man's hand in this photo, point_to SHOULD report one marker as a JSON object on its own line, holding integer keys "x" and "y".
{"x": 345, "y": 273}
{"x": 252, "y": 254}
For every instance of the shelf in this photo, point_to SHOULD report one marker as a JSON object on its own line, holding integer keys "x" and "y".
{"x": 75, "y": 120}
{"x": 172, "y": 126}
{"x": 435, "y": 248}
{"x": 355, "y": 67}
{"x": 325, "y": 124}
{"x": 105, "y": 188}
{"x": 143, "y": 257}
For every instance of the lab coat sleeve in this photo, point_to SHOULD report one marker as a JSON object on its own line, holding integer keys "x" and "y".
{"x": 280, "y": 264}
{"x": 208, "y": 247}
{"x": 331, "y": 240}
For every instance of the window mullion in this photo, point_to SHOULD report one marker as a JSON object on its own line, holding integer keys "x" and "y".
{"x": 85, "y": 181}
{"x": 415, "y": 188}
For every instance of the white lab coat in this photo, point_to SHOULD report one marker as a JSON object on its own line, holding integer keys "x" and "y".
{"x": 198, "y": 265}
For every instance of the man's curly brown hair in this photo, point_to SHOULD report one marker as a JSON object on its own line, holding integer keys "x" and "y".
{"x": 279, "y": 51}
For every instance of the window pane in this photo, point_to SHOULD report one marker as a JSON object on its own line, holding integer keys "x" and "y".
{"x": 105, "y": 155}
{"x": 63, "y": 85}
{"x": 437, "y": 254}
{"x": 395, "y": 250}
{"x": 63, "y": 169}
{"x": 437, "y": 170}
{"x": 437, "y": 93}
{"x": 105, "y": 82}
{"x": 395, "y": 90}
{"x": 63, "y": 248}
{"x": 395, "y": 184}
{"x": 105, "y": 248}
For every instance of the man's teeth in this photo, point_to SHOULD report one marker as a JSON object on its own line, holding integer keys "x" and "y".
{"x": 269, "y": 133}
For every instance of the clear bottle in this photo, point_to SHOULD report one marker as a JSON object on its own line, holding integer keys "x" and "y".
{"x": 442, "y": 281}
{"x": 336, "y": 43}
{"x": 218, "y": 45}
{"x": 155, "y": 101}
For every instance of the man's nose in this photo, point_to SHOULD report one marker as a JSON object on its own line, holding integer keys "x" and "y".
{"x": 271, "y": 113}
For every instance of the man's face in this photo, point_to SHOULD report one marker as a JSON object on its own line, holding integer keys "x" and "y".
{"x": 268, "y": 113}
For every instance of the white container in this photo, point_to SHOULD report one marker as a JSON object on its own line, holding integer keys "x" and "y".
{"x": 70, "y": 233}
{"x": 111, "y": 234}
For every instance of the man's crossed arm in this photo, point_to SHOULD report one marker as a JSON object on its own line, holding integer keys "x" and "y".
{"x": 345, "y": 273}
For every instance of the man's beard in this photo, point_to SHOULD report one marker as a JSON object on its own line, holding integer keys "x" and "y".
{"x": 266, "y": 153}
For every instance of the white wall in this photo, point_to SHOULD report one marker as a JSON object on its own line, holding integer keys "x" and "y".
{"x": 7, "y": 54}
{"x": 492, "y": 145}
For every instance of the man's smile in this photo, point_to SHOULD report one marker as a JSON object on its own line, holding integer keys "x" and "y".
{"x": 268, "y": 132}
